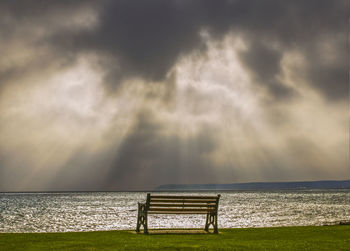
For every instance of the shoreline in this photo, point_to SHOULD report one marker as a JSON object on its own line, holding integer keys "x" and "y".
{"x": 336, "y": 223}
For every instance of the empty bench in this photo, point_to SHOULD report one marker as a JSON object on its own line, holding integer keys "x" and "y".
{"x": 179, "y": 204}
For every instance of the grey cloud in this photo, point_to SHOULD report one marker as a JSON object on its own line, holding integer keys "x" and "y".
{"x": 24, "y": 28}
{"x": 140, "y": 38}
{"x": 330, "y": 76}
{"x": 145, "y": 38}
{"x": 300, "y": 26}
{"x": 265, "y": 65}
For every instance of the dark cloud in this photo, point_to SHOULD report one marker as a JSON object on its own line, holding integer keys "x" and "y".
{"x": 328, "y": 71}
{"x": 145, "y": 38}
{"x": 299, "y": 26}
{"x": 265, "y": 65}
{"x": 137, "y": 38}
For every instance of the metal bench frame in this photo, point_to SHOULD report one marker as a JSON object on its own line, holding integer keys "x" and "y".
{"x": 179, "y": 204}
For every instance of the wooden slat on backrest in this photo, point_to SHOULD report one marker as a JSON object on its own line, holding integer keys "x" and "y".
{"x": 182, "y": 197}
{"x": 182, "y": 203}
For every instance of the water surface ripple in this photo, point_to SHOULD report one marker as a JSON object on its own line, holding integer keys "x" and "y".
{"x": 91, "y": 211}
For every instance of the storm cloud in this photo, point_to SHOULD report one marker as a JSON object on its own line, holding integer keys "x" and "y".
{"x": 132, "y": 94}
{"x": 145, "y": 39}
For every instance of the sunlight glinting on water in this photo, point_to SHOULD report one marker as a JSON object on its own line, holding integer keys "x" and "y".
{"x": 90, "y": 211}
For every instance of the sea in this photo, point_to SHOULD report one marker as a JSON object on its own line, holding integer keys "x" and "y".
{"x": 95, "y": 211}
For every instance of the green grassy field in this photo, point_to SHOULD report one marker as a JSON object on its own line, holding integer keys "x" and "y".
{"x": 281, "y": 238}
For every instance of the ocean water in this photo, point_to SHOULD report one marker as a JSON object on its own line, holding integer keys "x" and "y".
{"x": 91, "y": 211}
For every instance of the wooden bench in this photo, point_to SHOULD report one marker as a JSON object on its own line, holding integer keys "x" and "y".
{"x": 179, "y": 204}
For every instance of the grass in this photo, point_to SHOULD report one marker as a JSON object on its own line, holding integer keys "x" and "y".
{"x": 278, "y": 238}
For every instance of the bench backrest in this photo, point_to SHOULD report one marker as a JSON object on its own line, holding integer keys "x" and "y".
{"x": 182, "y": 204}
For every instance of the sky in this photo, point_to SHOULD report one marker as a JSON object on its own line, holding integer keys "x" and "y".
{"x": 131, "y": 94}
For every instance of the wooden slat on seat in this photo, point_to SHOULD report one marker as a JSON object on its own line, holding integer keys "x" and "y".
{"x": 181, "y": 205}
{"x": 155, "y": 209}
{"x": 176, "y": 212}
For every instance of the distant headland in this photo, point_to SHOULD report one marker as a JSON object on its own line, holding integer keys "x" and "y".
{"x": 324, "y": 184}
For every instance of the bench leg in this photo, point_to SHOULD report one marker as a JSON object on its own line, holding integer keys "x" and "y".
{"x": 138, "y": 224}
{"x": 142, "y": 221}
{"x": 212, "y": 219}
{"x": 207, "y": 224}
{"x": 216, "y": 224}
{"x": 145, "y": 225}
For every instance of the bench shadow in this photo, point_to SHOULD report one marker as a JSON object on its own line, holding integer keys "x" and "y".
{"x": 175, "y": 232}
